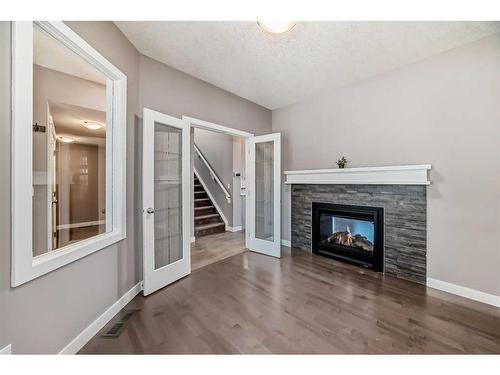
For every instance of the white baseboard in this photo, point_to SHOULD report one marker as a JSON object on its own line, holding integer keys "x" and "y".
{"x": 286, "y": 243}
{"x": 234, "y": 229}
{"x": 193, "y": 239}
{"x": 6, "y": 350}
{"x": 79, "y": 341}
{"x": 462, "y": 291}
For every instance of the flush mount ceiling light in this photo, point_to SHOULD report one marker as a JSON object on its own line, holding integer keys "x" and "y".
{"x": 276, "y": 27}
{"x": 65, "y": 139}
{"x": 92, "y": 125}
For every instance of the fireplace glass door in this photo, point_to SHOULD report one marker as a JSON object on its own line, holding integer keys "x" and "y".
{"x": 349, "y": 233}
{"x": 354, "y": 234}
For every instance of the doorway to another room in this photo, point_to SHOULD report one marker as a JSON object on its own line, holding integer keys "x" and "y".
{"x": 184, "y": 197}
{"x": 219, "y": 194}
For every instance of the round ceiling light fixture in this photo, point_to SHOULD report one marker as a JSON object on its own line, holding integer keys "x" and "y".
{"x": 65, "y": 139}
{"x": 92, "y": 125}
{"x": 276, "y": 27}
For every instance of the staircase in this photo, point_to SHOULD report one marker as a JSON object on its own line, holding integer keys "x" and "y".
{"x": 206, "y": 218}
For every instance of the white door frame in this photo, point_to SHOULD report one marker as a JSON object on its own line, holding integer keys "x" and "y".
{"x": 155, "y": 279}
{"x": 273, "y": 248}
{"x": 267, "y": 247}
{"x": 206, "y": 125}
{"x": 200, "y": 124}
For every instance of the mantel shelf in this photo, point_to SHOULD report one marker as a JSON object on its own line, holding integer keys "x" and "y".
{"x": 392, "y": 175}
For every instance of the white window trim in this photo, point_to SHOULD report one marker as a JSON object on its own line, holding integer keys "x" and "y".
{"x": 25, "y": 267}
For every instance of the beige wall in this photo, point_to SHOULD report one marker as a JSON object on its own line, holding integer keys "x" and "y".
{"x": 443, "y": 111}
{"x": 238, "y": 167}
{"x": 170, "y": 91}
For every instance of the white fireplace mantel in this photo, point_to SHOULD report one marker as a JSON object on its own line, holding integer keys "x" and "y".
{"x": 394, "y": 175}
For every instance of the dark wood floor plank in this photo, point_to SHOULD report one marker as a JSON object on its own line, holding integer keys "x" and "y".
{"x": 301, "y": 303}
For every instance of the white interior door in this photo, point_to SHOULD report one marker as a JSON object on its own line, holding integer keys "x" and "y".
{"x": 263, "y": 207}
{"x": 166, "y": 200}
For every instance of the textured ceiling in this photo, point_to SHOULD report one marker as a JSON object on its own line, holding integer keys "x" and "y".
{"x": 275, "y": 70}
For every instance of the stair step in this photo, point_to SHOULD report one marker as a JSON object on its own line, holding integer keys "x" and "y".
{"x": 206, "y": 229}
{"x": 202, "y": 202}
{"x": 210, "y": 218}
{"x": 207, "y": 226}
{"x": 206, "y": 216}
{"x": 203, "y": 208}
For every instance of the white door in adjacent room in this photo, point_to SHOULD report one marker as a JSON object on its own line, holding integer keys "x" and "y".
{"x": 166, "y": 200}
{"x": 263, "y": 207}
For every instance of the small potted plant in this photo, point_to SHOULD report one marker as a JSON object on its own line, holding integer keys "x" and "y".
{"x": 342, "y": 162}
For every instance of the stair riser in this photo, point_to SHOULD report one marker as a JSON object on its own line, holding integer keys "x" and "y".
{"x": 206, "y": 232}
{"x": 198, "y": 188}
{"x": 200, "y": 194}
{"x": 202, "y": 203}
{"x": 208, "y": 220}
{"x": 205, "y": 211}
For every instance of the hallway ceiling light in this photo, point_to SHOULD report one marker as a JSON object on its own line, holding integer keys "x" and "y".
{"x": 66, "y": 139}
{"x": 92, "y": 125}
{"x": 276, "y": 27}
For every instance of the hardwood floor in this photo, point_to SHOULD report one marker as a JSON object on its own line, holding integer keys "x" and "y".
{"x": 303, "y": 303}
{"x": 215, "y": 247}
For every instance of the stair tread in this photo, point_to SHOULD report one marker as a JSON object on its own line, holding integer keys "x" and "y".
{"x": 203, "y": 207}
{"x": 207, "y": 226}
{"x": 206, "y": 216}
{"x": 201, "y": 199}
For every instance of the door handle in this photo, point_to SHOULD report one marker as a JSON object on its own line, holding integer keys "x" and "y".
{"x": 150, "y": 210}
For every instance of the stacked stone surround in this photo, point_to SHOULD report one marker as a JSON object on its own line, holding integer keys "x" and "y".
{"x": 405, "y": 221}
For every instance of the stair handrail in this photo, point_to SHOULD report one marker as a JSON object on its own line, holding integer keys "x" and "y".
{"x": 213, "y": 174}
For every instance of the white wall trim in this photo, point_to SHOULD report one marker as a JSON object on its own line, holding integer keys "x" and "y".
{"x": 392, "y": 175}
{"x": 463, "y": 291}
{"x": 286, "y": 243}
{"x": 82, "y": 224}
{"x": 224, "y": 219}
{"x": 234, "y": 229}
{"x": 25, "y": 267}
{"x": 79, "y": 341}
{"x": 6, "y": 350}
{"x": 201, "y": 124}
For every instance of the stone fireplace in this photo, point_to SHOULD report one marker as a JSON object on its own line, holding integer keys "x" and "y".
{"x": 375, "y": 222}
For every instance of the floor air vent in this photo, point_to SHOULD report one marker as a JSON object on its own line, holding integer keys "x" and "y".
{"x": 117, "y": 327}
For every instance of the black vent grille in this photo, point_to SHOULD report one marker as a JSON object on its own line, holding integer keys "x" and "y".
{"x": 116, "y": 328}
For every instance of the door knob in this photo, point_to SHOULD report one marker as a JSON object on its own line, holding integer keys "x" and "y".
{"x": 150, "y": 210}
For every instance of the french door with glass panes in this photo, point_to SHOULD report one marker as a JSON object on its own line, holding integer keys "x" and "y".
{"x": 166, "y": 200}
{"x": 263, "y": 201}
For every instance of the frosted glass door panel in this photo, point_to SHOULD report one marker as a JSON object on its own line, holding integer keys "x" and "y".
{"x": 264, "y": 191}
{"x": 167, "y": 194}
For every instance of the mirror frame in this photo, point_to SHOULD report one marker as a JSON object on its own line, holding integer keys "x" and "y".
{"x": 25, "y": 267}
